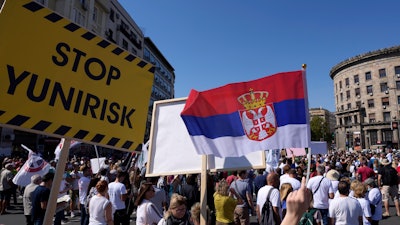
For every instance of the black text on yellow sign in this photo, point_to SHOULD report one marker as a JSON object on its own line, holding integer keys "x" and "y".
{"x": 66, "y": 81}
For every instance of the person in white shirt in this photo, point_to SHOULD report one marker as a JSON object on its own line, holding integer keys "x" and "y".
{"x": 274, "y": 198}
{"x": 345, "y": 210}
{"x": 374, "y": 196}
{"x": 322, "y": 191}
{"x": 118, "y": 194}
{"x": 291, "y": 179}
{"x": 359, "y": 193}
{"x": 83, "y": 184}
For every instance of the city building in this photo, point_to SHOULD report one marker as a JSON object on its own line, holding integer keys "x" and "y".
{"x": 107, "y": 19}
{"x": 164, "y": 78}
{"x": 367, "y": 97}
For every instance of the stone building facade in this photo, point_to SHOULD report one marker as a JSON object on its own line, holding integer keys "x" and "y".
{"x": 367, "y": 98}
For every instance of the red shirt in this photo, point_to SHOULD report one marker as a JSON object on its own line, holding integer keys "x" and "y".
{"x": 365, "y": 173}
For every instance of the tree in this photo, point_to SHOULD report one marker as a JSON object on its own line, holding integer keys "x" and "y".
{"x": 319, "y": 130}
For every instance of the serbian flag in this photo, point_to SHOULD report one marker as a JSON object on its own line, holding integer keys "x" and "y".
{"x": 34, "y": 165}
{"x": 239, "y": 118}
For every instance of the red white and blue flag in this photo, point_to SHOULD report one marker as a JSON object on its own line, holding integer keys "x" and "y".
{"x": 59, "y": 147}
{"x": 34, "y": 165}
{"x": 239, "y": 118}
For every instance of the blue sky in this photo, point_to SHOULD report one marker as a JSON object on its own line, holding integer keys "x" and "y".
{"x": 211, "y": 43}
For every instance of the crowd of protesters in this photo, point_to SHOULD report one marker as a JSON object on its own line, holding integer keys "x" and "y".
{"x": 363, "y": 180}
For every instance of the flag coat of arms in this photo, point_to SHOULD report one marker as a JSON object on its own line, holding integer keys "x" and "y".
{"x": 34, "y": 165}
{"x": 239, "y": 118}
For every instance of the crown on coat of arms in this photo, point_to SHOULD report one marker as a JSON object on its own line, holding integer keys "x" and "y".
{"x": 253, "y": 99}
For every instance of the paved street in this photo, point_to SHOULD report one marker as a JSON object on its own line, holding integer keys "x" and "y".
{"x": 16, "y": 217}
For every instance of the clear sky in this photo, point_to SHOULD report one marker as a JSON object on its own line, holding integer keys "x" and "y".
{"x": 211, "y": 43}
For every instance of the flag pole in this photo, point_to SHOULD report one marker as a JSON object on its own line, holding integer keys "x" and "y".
{"x": 203, "y": 191}
{"x": 97, "y": 155}
{"x": 304, "y": 67}
{"x": 55, "y": 187}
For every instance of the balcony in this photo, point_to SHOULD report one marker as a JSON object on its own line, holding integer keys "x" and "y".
{"x": 125, "y": 31}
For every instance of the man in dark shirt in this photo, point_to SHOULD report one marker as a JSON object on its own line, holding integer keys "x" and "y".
{"x": 388, "y": 181}
{"x": 260, "y": 180}
{"x": 40, "y": 197}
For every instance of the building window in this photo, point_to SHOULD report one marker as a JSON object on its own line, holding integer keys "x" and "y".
{"x": 340, "y": 85}
{"x": 398, "y": 100}
{"x": 134, "y": 51}
{"x": 79, "y": 18}
{"x": 347, "y": 82}
{"x": 382, "y": 73}
{"x": 357, "y": 92}
{"x": 358, "y": 104}
{"x": 94, "y": 17}
{"x": 356, "y": 79}
{"x": 371, "y": 103}
{"x": 371, "y": 117}
{"x": 386, "y": 116}
{"x": 124, "y": 44}
{"x": 384, "y": 87}
{"x": 385, "y": 101}
{"x": 341, "y": 97}
{"x": 373, "y": 135}
{"x": 348, "y": 105}
{"x": 368, "y": 76}
{"x": 347, "y": 120}
{"x": 397, "y": 70}
{"x": 387, "y": 135}
{"x": 398, "y": 85}
{"x": 355, "y": 119}
{"x": 342, "y": 107}
{"x": 369, "y": 90}
{"x": 112, "y": 14}
{"x": 347, "y": 94}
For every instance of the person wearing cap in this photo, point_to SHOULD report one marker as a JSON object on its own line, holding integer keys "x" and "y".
{"x": 374, "y": 197}
{"x": 388, "y": 180}
{"x": 40, "y": 197}
{"x": 6, "y": 185}
{"x": 36, "y": 179}
{"x": 334, "y": 176}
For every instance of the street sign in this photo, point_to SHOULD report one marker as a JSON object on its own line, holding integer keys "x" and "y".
{"x": 60, "y": 79}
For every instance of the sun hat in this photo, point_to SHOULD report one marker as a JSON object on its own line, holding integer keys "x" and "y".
{"x": 333, "y": 175}
{"x": 385, "y": 162}
{"x": 369, "y": 181}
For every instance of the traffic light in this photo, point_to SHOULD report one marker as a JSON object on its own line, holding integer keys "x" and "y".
{"x": 394, "y": 125}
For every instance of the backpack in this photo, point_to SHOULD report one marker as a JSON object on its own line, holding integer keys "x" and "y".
{"x": 91, "y": 193}
{"x": 267, "y": 213}
{"x": 308, "y": 217}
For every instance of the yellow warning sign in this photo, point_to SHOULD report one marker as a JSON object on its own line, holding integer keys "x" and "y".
{"x": 60, "y": 79}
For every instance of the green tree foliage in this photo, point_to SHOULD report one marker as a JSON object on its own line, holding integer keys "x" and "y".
{"x": 320, "y": 130}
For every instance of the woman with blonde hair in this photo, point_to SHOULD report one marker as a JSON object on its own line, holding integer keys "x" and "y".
{"x": 225, "y": 203}
{"x": 177, "y": 213}
{"x": 146, "y": 213}
{"x": 284, "y": 191}
{"x": 100, "y": 208}
{"x": 359, "y": 191}
{"x": 195, "y": 213}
